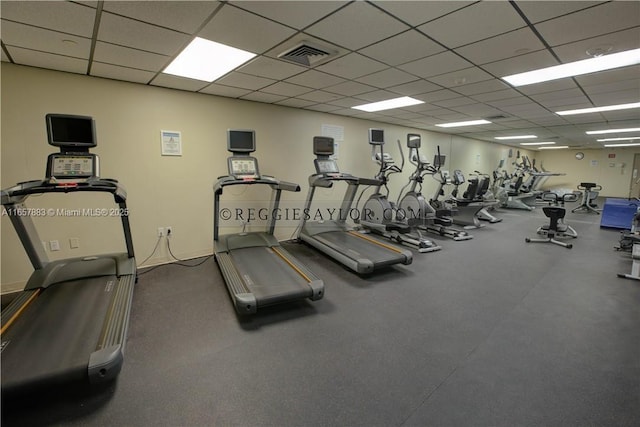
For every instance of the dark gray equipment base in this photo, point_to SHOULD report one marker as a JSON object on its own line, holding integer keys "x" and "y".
{"x": 264, "y": 274}
{"x": 69, "y": 331}
{"x": 353, "y": 251}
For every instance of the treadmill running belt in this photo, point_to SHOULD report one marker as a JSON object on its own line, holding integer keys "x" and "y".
{"x": 52, "y": 340}
{"x": 268, "y": 276}
{"x": 355, "y": 247}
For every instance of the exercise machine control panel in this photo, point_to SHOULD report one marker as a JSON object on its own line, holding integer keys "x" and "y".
{"x": 244, "y": 167}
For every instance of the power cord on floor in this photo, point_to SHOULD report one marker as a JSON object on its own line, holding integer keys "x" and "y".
{"x": 180, "y": 261}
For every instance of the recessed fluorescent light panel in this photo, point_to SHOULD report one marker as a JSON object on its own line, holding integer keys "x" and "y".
{"x": 389, "y": 104}
{"x": 618, "y": 139}
{"x": 467, "y": 123}
{"x": 578, "y": 68}
{"x": 602, "y": 132}
{"x": 504, "y": 138}
{"x": 555, "y": 147}
{"x": 206, "y": 60}
{"x": 635, "y": 144}
{"x": 599, "y": 109}
{"x": 538, "y": 143}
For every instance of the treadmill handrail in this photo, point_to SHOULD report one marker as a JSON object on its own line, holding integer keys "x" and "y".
{"x": 325, "y": 180}
{"x": 274, "y": 183}
{"x": 19, "y": 192}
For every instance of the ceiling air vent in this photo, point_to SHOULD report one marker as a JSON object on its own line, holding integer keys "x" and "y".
{"x": 307, "y": 54}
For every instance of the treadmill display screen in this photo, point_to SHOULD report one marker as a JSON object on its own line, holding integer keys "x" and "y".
{"x": 244, "y": 167}
{"x": 66, "y": 130}
{"x": 69, "y": 167}
{"x": 241, "y": 141}
{"x": 323, "y": 146}
{"x": 326, "y": 166}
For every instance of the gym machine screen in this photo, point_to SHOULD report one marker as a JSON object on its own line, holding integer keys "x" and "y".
{"x": 323, "y": 146}
{"x": 438, "y": 160}
{"x": 376, "y": 136}
{"x": 326, "y": 166}
{"x": 241, "y": 141}
{"x": 71, "y": 167}
{"x": 243, "y": 167}
{"x": 67, "y": 130}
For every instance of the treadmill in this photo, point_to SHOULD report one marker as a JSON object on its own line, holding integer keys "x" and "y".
{"x": 334, "y": 237}
{"x": 69, "y": 325}
{"x": 257, "y": 271}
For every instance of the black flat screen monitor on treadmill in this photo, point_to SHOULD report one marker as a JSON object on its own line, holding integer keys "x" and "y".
{"x": 438, "y": 160}
{"x": 323, "y": 146}
{"x": 241, "y": 141}
{"x": 65, "y": 130}
{"x": 376, "y": 136}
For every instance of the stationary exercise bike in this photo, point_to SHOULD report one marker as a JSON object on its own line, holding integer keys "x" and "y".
{"x": 379, "y": 215}
{"x": 417, "y": 211}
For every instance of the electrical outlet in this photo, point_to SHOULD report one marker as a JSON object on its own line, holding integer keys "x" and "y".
{"x": 169, "y": 231}
{"x": 160, "y": 231}
{"x": 54, "y": 245}
{"x": 74, "y": 242}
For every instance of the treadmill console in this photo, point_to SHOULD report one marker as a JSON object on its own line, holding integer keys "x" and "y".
{"x": 243, "y": 167}
{"x": 72, "y": 167}
{"x": 326, "y": 166}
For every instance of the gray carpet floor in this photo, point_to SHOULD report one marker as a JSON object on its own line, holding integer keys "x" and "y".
{"x": 487, "y": 332}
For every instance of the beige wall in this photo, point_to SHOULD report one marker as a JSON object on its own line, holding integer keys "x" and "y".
{"x": 177, "y": 191}
{"x": 612, "y": 173}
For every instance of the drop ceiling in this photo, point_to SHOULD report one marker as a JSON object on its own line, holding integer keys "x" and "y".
{"x": 449, "y": 54}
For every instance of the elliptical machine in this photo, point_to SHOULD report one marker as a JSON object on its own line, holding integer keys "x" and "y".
{"x": 381, "y": 216}
{"x": 417, "y": 211}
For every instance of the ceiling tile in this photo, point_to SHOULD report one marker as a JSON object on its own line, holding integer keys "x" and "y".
{"x": 461, "y": 77}
{"x": 613, "y": 98}
{"x": 557, "y": 94}
{"x": 320, "y": 96}
{"x": 168, "y": 14}
{"x": 493, "y": 95}
{"x": 297, "y": 14}
{"x": 405, "y": 47}
{"x": 537, "y": 11}
{"x": 347, "y": 102}
{"x": 221, "y": 90}
{"x": 438, "y": 95}
{"x": 462, "y": 100}
{"x": 350, "y": 88}
{"x": 492, "y": 86}
{"x": 377, "y": 95}
{"x": 357, "y": 25}
{"x": 476, "y": 22}
{"x": 285, "y": 89}
{"x": 271, "y": 68}
{"x": 244, "y": 81}
{"x": 414, "y": 88}
{"x": 441, "y": 63}
{"x": 616, "y": 42}
{"x": 610, "y": 76}
{"x": 325, "y": 108}
{"x": 315, "y": 79}
{"x": 62, "y": 16}
{"x": 262, "y": 34}
{"x": 26, "y": 36}
{"x": 551, "y": 86}
{"x": 47, "y": 60}
{"x": 419, "y": 12}
{"x": 175, "y": 82}
{"x": 133, "y": 58}
{"x": 127, "y": 32}
{"x": 263, "y": 97}
{"x": 521, "y": 64}
{"x": 352, "y": 66}
{"x": 295, "y": 102}
{"x": 500, "y": 47}
{"x": 605, "y": 18}
{"x": 387, "y": 78}
{"x": 115, "y": 72}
